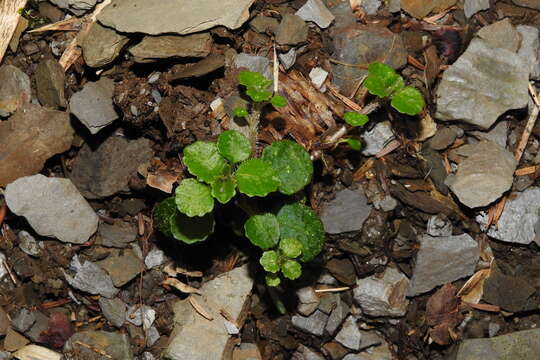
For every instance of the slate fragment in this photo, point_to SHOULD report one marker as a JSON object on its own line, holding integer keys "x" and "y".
{"x": 50, "y": 80}
{"x": 106, "y": 170}
{"x": 102, "y": 45}
{"x": 31, "y": 136}
{"x": 53, "y": 207}
{"x": 153, "y": 48}
{"x": 15, "y": 90}
{"x": 87, "y": 276}
{"x": 292, "y": 30}
{"x": 346, "y": 212}
{"x": 116, "y": 345}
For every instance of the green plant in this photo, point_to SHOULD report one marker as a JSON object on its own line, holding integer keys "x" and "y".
{"x": 383, "y": 82}
{"x": 221, "y": 169}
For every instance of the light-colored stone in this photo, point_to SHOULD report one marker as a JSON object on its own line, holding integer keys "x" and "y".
{"x": 529, "y": 50}
{"x": 501, "y": 34}
{"x": 31, "y": 136}
{"x": 383, "y": 294}
{"x": 115, "y": 345}
{"x": 484, "y": 176}
{"x": 292, "y": 30}
{"x": 473, "y": 6}
{"x": 122, "y": 265}
{"x": 114, "y": 310}
{"x": 349, "y": 335}
{"x": 376, "y": 138}
{"x": 102, "y": 45}
{"x": 93, "y": 105}
{"x": 441, "y": 260}
{"x": 497, "y": 135}
{"x": 29, "y": 244}
{"x": 15, "y": 90}
{"x": 153, "y": 48}
{"x": 33, "y": 352}
{"x": 492, "y": 79}
{"x": 255, "y": 63}
{"x": 313, "y": 324}
{"x": 78, "y": 7}
{"x": 316, "y": 11}
{"x": 196, "y": 338}
{"x": 533, "y": 4}
{"x": 89, "y": 277}
{"x": 53, "y": 207}
{"x": 519, "y": 222}
{"x": 308, "y": 301}
{"x": 156, "y": 17}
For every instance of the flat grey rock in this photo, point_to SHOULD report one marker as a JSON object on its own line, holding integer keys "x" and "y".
{"x": 23, "y": 320}
{"x": 361, "y": 44}
{"x": 118, "y": 234}
{"x": 53, "y": 207}
{"x": 439, "y": 225}
{"x": 15, "y": 90}
{"x": 255, "y": 63}
{"x": 381, "y": 352}
{"x": 533, "y": 4}
{"x": 501, "y": 34}
{"x": 471, "y": 7}
{"x": 102, "y": 45}
{"x": 523, "y": 345}
{"x": 122, "y": 265}
{"x": 337, "y": 315}
{"x": 519, "y": 222}
{"x": 383, "y": 294}
{"x": 441, "y": 260}
{"x": 484, "y": 77}
{"x": 313, "y": 324}
{"x": 498, "y": 134}
{"x": 484, "y": 176}
{"x": 29, "y": 244}
{"x": 93, "y": 105}
{"x": 116, "y": 345}
{"x": 264, "y": 24}
{"x": 529, "y": 49}
{"x": 87, "y": 276}
{"x": 305, "y": 353}
{"x": 308, "y": 301}
{"x": 114, "y": 310}
{"x": 50, "y": 81}
{"x": 316, "y": 11}
{"x": 371, "y": 6}
{"x": 349, "y": 335}
{"x": 292, "y": 30}
{"x": 155, "y": 257}
{"x": 196, "y": 338}
{"x": 78, "y": 7}
{"x": 346, "y": 212}
{"x": 376, "y": 138}
{"x": 106, "y": 170}
{"x": 156, "y": 17}
{"x": 153, "y": 48}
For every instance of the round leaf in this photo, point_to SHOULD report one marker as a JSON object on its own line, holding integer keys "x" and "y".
{"x": 240, "y": 112}
{"x": 292, "y": 164}
{"x": 382, "y": 80}
{"x": 256, "y": 177}
{"x": 300, "y": 222}
{"x": 192, "y": 229}
{"x": 163, "y": 213}
{"x": 278, "y": 101}
{"x": 194, "y": 198}
{"x": 262, "y": 230}
{"x": 290, "y": 247}
{"x": 270, "y": 261}
{"x": 258, "y": 95}
{"x": 204, "y": 161}
{"x": 355, "y": 119}
{"x": 233, "y": 146}
{"x": 408, "y": 101}
{"x": 291, "y": 269}
{"x": 253, "y": 79}
{"x": 354, "y": 144}
{"x": 224, "y": 189}
{"x": 272, "y": 280}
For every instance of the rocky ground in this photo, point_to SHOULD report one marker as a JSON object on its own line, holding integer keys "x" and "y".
{"x": 432, "y": 228}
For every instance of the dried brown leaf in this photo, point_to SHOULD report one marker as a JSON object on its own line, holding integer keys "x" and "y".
{"x": 177, "y": 284}
{"x": 200, "y": 309}
{"x": 443, "y": 314}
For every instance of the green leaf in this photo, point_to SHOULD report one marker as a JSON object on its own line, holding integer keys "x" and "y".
{"x": 354, "y": 144}
{"x": 204, "y": 161}
{"x": 291, "y": 163}
{"x": 163, "y": 213}
{"x": 408, "y": 101}
{"x": 278, "y": 101}
{"x": 256, "y": 177}
{"x": 272, "y": 280}
{"x": 300, "y": 222}
{"x": 290, "y": 247}
{"x": 291, "y": 269}
{"x": 192, "y": 229}
{"x": 270, "y": 261}
{"x": 382, "y": 80}
{"x": 262, "y": 230}
{"x": 258, "y": 95}
{"x": 253, "y": 79}
{"x": 224, "y": 189}
{"x": 355, "y": 119}
{"x": 234, "y": 146}
{"x": 194, "y": 198}
{"x": 240, "y": 112}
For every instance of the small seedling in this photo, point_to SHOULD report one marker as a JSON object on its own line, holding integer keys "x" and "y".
{"x": 383, "y": 82}
{"x": 221, "y": 169}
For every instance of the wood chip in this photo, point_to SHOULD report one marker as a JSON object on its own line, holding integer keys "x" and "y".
{"x": 200, "y": 309}
{"x": 9, "y": 18}
{"x": 173, "y": 271}
{"x": 177, "y": 284}
{"x": 483, "y": 307}
{"x": 472, "y": 291}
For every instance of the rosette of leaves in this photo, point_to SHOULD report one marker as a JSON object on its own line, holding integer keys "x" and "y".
{"x": 384, "y": 82}
{"x": 295, "y": 234}
{"x": 257, "y": 88}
